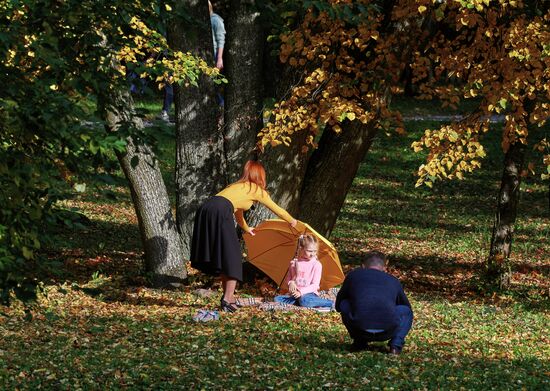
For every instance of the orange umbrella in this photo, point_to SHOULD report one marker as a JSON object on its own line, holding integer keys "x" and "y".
{"x": 274, "y": 246}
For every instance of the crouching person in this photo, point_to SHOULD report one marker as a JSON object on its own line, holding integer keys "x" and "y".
{"x": 374, "y": 306}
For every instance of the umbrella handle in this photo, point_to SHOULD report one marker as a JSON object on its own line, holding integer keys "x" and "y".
{"x": 281, "y": 283}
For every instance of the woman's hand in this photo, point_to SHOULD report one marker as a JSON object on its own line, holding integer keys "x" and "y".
{"x": 293, "y": 223}
{"x": 251, "y": 231}
{"x": 296, "y": 294}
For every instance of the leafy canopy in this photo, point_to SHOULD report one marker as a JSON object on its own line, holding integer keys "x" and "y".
{"x": 57, "y": 57}
{"x": 353, "y": 54}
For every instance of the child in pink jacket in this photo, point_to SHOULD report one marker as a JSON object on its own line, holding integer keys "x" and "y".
{"x": 304, "y": 276}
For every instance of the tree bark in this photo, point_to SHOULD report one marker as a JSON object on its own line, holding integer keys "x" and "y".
{"x": 244, "y": 92}
{"x": 498, "y": 264}
{"x": 255, "y": 75}
{"x": 330, "y": 173}
{"x": 285, "y": 168}
{"x": 199, "y": 143}
{"x": 161, "y": 242}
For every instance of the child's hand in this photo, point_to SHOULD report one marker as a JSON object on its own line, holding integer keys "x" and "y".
{"x": 292, "y": 287}
{"x": 293, "y": 223}
{"x": 297, "y": 294}
{"x": 251, "y": 232}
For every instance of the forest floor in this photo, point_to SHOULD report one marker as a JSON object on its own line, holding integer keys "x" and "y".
{"x": 97, "y": 324}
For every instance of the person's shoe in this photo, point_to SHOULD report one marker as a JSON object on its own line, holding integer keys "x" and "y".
{"x": 395, "y": 351}
{"x": 228, "y": 307}
{"x": 164, "y": 116}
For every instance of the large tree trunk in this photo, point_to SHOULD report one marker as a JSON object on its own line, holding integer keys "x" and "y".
{"x": 330, "y": 173}
{"x": 161, "y": 242}
{"x": 199, "y": 143}
{"x": 244, "y": 92}
{"x": 285, "y": 168}
{"x": 498, "y": 264}
{"x": 255, "y": 75}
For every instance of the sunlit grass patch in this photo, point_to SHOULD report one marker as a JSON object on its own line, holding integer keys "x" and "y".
{"x": 98, "y": 326}
{"x": 86, "y": 343}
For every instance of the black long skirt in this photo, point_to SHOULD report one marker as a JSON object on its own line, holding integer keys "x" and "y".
{"x": 215, "y": 246}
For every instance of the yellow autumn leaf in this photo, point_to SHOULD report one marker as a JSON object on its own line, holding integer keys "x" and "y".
{"x": 422, "y": 8}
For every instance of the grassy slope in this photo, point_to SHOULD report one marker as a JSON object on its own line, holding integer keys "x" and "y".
{"x": 98, "y": 327}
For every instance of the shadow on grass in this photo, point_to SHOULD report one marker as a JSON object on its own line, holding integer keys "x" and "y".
{"x": 137, "y": 356}
{"x": 436, "y": 365}
{"x": 111, "y": 254}
{"x": 100, "y": 248}
{"x": 455, "y": 279}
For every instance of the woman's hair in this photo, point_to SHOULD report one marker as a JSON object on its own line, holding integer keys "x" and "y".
{"x": 253, "y": 172}
{"x": 306, "y": 239}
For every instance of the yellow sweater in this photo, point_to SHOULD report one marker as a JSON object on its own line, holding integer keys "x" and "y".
{"x": 243, "y": 194}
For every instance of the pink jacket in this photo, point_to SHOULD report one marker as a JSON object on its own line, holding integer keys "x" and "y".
{"x": 306, "y": 273}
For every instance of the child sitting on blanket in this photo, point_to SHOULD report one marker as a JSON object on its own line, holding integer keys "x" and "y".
{"x": 304, "y": 276}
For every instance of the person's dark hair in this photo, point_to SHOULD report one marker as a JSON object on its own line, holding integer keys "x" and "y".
{"x": 374, "y": 258}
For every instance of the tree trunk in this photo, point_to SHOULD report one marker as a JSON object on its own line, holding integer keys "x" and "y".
{"x": 161, "y": 242}
{"x": 498, "y": 264}
{"x": 330, "y": 173}
{"x": 244, "y": 92}
{"x": 199, "y": 144}
{"x": 285, "y": 168}
{"x": 254, "y": 75}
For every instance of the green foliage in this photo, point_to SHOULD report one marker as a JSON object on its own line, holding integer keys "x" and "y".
{"x": 56, "y": 58}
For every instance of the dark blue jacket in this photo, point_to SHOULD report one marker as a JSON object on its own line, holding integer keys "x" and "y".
{"x": 368, "y": 298}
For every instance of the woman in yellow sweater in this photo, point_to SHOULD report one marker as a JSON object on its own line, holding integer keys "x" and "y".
{"x": 215, "y": 247}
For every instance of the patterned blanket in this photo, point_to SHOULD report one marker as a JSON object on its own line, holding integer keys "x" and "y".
{"x": 267, "y": 303}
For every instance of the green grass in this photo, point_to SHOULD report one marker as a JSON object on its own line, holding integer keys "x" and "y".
{"x": 136, "y": 345}
{"x": 149, "y": 106}
{"x": 454, "y": 217}
{"x": 416, "y": 107}
{"x": 97, "y": 326}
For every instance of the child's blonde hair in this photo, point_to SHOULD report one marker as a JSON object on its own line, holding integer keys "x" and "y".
{"x": 306, "y": 239}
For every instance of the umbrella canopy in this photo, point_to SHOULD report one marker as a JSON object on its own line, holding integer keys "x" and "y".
{"x": 274, "y": 246}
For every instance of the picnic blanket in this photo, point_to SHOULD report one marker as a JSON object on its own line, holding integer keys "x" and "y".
{"x": 267, "y": 303}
